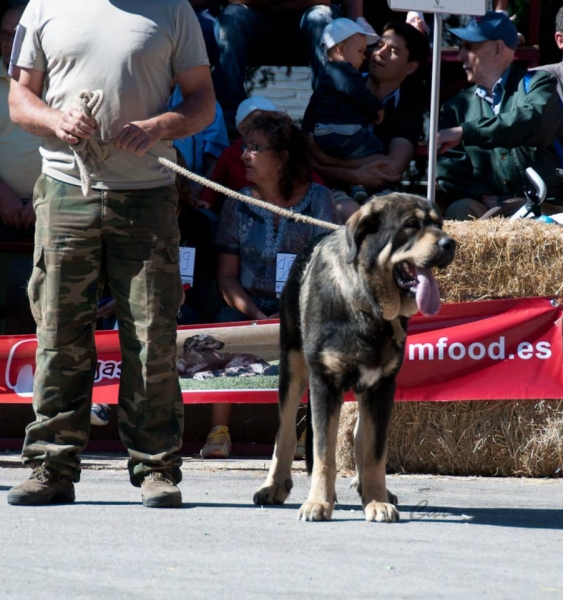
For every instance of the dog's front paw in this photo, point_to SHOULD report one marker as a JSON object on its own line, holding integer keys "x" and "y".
{"x": 273, "y": 493}
{"x": 381, "y": 512}
{"x": 316, "y": 511}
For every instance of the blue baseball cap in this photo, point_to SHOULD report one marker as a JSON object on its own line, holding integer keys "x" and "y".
{"x": 491, "y": 26}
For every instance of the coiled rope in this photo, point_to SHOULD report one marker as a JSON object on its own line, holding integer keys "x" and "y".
{"x": 90, "y": 154}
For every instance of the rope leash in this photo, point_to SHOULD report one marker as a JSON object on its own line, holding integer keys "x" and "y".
{"x": 89, "y": 154}
{"x": 284, "y": 212}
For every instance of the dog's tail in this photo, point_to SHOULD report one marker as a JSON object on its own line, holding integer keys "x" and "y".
{"x": 309, "y": 435}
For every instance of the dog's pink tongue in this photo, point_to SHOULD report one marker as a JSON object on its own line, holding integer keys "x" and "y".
{"x": 427, "y": 292}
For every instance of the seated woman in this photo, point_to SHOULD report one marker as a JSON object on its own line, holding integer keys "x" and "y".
{"x": 229, "y": 169}
{"x": 249, "y": 239}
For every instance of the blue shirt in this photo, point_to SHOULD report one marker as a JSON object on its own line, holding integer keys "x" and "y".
{"x": 212, "y": 140}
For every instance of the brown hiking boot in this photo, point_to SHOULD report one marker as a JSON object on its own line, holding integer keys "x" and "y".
{"x": 44, "y": 486}
{"x": 160, "y": 491}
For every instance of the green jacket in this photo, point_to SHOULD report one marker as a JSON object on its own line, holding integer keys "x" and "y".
{"x": 496, "y": 149}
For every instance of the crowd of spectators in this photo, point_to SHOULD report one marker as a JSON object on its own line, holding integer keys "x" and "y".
{"x": 359, "y": 134}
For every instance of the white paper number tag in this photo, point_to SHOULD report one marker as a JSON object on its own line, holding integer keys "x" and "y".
{"x": 284, "y": 261}
{"x": 187, "y": 265}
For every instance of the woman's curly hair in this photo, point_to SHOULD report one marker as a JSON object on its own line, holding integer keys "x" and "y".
{"x": 288, "y": 142}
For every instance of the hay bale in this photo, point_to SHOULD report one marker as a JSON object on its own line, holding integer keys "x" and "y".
{"x": 496, "y": 258}
{"x": 507, "y": 438}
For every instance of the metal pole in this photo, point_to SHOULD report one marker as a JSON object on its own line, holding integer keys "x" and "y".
{"x": 434, "y": 105}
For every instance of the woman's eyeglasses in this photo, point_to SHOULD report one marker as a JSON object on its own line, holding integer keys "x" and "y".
{"x": 254, "y": 148}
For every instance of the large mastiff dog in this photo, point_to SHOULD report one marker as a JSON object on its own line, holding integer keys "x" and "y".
{"x": 344, "y": 314}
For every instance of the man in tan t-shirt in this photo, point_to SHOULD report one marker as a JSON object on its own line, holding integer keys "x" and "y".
{"x": 121, "y": 231}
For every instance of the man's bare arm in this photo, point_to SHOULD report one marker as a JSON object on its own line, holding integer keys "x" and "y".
{"x": 348, "y": 163}
{"x": 370, "y": 175}
{"x": 399, "y": 155}
{"x": 371, "y": 171}
{"x": 30, "y": 112}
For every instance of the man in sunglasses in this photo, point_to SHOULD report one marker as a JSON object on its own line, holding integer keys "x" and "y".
{"x": 491, "y": 132}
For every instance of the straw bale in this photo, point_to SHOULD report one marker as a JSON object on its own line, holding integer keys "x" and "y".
{"x": 496, "y": 258}
{"x": 488, "y": 437}
{"x": 499, "y": 258}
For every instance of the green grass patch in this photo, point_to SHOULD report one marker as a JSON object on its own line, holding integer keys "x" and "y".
{"x": 256, "y": 382}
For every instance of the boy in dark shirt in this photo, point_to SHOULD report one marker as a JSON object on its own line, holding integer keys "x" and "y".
{"x": 341, "y": 109}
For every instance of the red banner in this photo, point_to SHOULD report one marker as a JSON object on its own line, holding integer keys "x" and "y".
{"x": 493, "y": 350}
{"x": 499, "y": 349}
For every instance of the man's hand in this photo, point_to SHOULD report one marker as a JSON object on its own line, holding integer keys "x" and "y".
{"x": 449, "y": 138}
{"x": 136, "y": 137}
{"x": 74, "y": 125}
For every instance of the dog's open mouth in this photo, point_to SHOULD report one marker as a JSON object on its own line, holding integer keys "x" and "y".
{"x": 421, "y": 284}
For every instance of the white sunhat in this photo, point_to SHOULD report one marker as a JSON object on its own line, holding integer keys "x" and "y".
{"x": 341, "y": 29}
{"x": 250, "y": 105}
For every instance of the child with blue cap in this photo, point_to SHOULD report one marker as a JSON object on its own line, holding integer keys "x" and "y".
{"x": 342, "y": 109}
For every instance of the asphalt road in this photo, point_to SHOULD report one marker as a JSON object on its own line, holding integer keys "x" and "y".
{"x": 459, "y": 538}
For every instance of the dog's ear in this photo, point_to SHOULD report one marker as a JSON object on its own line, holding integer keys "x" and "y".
{"x": 364, "y": 221}
{"x": 189, "y": 343}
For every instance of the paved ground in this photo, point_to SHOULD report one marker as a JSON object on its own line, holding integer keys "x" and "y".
{"x": 459, "y": 538}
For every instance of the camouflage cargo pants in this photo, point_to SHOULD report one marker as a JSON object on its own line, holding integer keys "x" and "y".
{"x": 129, "y": 239}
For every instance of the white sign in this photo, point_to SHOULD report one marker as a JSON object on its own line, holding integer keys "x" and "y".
{"x": 454, "y": 7}
{"x": 284, "y": 261}
{"x": 187, "y": 265}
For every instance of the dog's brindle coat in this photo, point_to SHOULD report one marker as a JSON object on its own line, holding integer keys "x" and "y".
{"x": 344, "y": 314}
